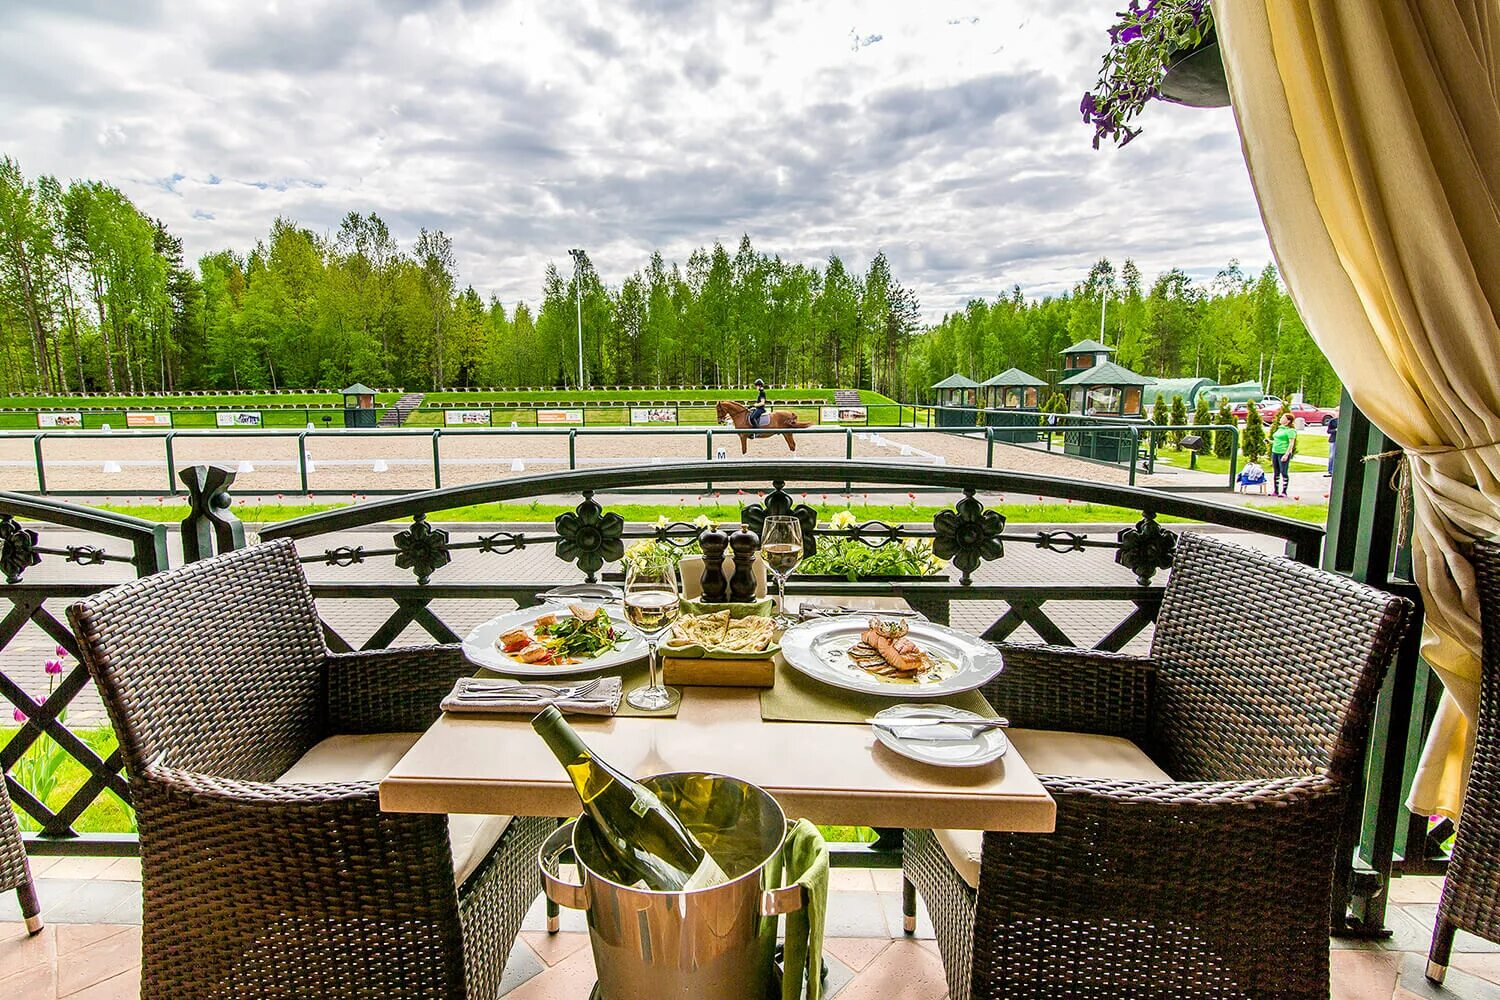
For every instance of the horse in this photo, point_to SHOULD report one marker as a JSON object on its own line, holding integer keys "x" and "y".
{"x": 777, "y": 421}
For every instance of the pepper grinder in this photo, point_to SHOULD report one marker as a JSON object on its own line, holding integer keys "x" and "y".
{"x": 744, "y": 544}
{"x": 713, "y": 542}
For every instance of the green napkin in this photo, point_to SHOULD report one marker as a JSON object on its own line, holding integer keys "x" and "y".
{"x": 804, "y": 857}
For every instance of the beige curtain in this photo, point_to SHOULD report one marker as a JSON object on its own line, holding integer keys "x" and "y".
{"x": 1372, "y": 133}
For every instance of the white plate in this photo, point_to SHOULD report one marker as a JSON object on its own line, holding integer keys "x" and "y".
{"x": 479, "y": 646}
{"x": 817, "y": 648}
{"x": 981, "y": 748}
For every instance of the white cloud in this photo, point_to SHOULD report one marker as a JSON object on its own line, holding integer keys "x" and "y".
{"x": 945, "y": 133}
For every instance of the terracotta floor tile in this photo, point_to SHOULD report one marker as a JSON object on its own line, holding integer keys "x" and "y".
{"x": 36, "y": 983}
{"x": 886, "y": 879}
{"x": 553, "y": 948}
{"x": 20, "y": 952}
{"x": 1485, "y": 966}
{"x": 80, "y": 867}
{"x": 123, "y": 870}
{"x": 1361, "y": 975}
{"x": 570, "y": 979}
{"x": 125, "y": 986}
{"x": 41, "y": 865}
{"x": 72, "y": 937}
{"x": 904, "y": 971}
{"x": 1416, "y": 889}
{"x": 850, "y": 880}
{"x": 105, "y": 959}
{"x": 856, "y": 952}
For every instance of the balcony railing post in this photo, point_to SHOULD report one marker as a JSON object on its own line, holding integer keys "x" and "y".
{"x": 171, "y": 462}
{"x": 210, "y": 527}
{"x": 302, "y": 460}
{"x": 41, "y": 474}
{"x": 1135, "y": 448}
{"x": 572, "y": 449}
{"x": 437, "y": 461}
{"x": 989, "y": 447}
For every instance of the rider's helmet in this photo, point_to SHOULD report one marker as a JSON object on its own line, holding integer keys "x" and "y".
{"x": 760, "y": 383}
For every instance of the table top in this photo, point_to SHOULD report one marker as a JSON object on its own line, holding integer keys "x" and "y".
{"x": 830, "y": 773}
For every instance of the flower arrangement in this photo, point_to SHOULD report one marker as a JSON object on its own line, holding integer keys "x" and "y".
{"x": 1143, "y": 44}
{"x": 653, "y": 553}
{"x": 38, "y": 768}
{"x": 853, "y": 559}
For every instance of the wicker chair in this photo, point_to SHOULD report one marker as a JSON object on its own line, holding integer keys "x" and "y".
{"x": 1199, "y": 793}
{"x": 264, "y": 873}
{"x": 15, "y": 870}
{"x": 1471, "y": 892}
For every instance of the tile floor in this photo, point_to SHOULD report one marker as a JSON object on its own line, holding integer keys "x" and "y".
{"x": 90, "y": 949}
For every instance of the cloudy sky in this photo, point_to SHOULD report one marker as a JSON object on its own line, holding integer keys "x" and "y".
{"x": 945, "y": 133}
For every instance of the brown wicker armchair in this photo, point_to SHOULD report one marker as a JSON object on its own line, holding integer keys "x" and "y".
{"x": 268, "y": 868}
{"x": 1199, "y": 792}
{"x": 15, "y": 869}
{"x": 1471, "y": 892}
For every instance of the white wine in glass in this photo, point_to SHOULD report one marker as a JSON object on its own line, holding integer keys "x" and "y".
{"x": 652, "y": 603}
{"x": 781, "y": 548}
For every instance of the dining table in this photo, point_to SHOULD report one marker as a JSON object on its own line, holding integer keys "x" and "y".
{"x": 829, "y": 772}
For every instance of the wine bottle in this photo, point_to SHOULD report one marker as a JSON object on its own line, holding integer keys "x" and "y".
{"x": 644, "y": 840}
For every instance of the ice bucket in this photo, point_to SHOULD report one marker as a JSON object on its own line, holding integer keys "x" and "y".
{"x": 709, "y": 944}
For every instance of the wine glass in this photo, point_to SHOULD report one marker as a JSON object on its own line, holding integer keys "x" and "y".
{"x": 652, "y": 603}
{"x": 781, "y": 548}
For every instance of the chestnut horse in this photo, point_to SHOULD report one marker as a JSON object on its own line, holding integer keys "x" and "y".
{"x": 778, "y": 421}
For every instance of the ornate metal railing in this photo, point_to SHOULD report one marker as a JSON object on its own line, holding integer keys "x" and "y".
{"x": 27, "y": 552}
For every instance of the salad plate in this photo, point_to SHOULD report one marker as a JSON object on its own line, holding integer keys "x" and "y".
{"x": 573, "y": 648}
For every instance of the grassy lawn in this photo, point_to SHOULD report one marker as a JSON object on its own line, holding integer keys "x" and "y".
{"x": 107, "y": 814}
{"x": 725, "y": 509}
{"x": 1312, "y": 456}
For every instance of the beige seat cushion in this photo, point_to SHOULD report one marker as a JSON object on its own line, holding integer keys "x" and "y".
{"x": 370, "y": 757}
{"x": 1080, "y": 755}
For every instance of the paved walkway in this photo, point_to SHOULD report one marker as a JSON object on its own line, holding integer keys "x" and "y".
{"x": 90, "y": 949}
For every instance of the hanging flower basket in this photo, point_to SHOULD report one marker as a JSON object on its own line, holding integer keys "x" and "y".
{"x": 1196, "y": 78}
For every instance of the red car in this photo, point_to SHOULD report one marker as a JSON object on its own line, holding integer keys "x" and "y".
{"x": 1303, "y": 414}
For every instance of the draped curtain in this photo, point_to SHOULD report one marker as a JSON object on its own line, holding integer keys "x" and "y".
{"x": 1372, "y": 132}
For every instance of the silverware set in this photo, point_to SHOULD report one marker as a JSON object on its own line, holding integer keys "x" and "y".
{"x": 493, "y": 691}
{"x": 942, "y": 728}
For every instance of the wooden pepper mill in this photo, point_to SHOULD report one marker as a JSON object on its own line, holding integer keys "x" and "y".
{"x": 713, "y": 542}
{"x": 743, "y": 543}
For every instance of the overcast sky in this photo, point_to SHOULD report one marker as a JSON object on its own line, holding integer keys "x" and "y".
{"x": 945, "y": 133}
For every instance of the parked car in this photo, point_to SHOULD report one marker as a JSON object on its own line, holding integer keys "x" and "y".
{"x": 1303, "y": 414}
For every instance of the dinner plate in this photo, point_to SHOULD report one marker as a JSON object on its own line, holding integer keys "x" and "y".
{"x": 982, "y": 748}
{"x": 819, "y": 649}
{"x": 479, "y": 646}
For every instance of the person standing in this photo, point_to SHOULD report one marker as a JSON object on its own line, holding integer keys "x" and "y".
{"x": 1333, "y": 440}
{"x": 1283, "y": 447}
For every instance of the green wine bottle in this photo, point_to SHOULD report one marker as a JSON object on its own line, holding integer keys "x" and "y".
{"x": 646, "y": 842}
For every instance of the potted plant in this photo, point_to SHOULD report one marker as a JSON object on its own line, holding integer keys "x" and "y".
{"x": 652, "y": 552}
{"x": 1159, "y": 50}
{"x": 842, "y": 558}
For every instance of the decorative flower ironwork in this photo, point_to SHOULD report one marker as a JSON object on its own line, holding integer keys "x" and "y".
{"x": 590, "y": 537}
{"x": 422, "y": 549}
{"x": 502, "y": 542}
{"x": 1060, "y": 541}
{"x": 778, "y": 503}
{"x": 1146, "y": 548}
{"x": 968, "y": 535}
{"x": 17, "y": 549}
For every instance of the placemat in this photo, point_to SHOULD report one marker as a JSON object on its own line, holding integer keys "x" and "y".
{"x": 632, "y": 675}
{"x": 798, "y": 698}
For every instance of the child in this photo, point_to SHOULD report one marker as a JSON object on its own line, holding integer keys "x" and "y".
{"x": 1251, "y": 475}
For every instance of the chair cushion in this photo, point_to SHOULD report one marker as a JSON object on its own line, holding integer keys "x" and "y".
{"x": 370, "y": 757}
{"x": 1079, "y": 755}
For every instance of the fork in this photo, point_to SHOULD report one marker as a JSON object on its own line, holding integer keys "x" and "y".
{"x": 529, "y": 691}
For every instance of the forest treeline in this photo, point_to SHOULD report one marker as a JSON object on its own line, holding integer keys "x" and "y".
{"x": 95, "y": 295}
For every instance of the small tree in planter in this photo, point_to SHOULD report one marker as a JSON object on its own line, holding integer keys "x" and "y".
{"x": 1160, "y": 50}
{"x": 1159, "y": 418}
{"x": 1224, "y": 440}
{"x": 1253, "y": 439}
{"x": 1179, "y": 417}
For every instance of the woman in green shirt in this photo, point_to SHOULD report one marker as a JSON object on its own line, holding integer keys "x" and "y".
{"x": 1283, "y": 447}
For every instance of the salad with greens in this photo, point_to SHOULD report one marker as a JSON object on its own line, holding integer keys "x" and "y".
{"x": 553, "y": 639}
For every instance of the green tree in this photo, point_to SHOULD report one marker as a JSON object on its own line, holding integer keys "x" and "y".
{"x": 1224, "y": 440}
{"x": 1253, "y": 437}
{"x": 1179, "y": 417}
{"x": 1159, "y": 417}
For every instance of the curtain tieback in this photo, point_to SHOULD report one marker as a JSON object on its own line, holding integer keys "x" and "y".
{"x": 1401, "y": 478}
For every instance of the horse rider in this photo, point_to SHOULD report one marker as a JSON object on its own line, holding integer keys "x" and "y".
{"x": 758, "y": 410}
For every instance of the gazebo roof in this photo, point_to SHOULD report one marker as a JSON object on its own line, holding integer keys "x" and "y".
{"x": 1088, "y": 347}
{"x": 1107, "y": 373}
{"x": 1013, "y": 377}
{"x": 957, "y": 381}
{"x": 358, "y": 389}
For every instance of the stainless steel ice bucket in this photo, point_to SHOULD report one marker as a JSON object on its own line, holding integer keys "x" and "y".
{"x": 708, "y": 944}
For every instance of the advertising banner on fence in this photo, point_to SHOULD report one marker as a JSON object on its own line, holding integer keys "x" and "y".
{"x": 50, "y": 420}
{"x": 237, "y": 418}
{"x": 466, "y": 418}
{"x": 559, "y": 417}
{"x": 654, "y": 415}
{"x": 843, "y": 414}
{"x": 148, "y": 420}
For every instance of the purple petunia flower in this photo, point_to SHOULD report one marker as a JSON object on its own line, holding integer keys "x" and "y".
{"x": 1088, "y": 106}
{"x": 1130, "y": 34}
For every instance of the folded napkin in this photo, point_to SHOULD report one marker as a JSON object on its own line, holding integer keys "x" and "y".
{"x": 602, "y": 700}
{"x": 804, "y": 861}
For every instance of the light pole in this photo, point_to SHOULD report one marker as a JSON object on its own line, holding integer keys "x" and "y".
{"x": 577, "y": 256}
